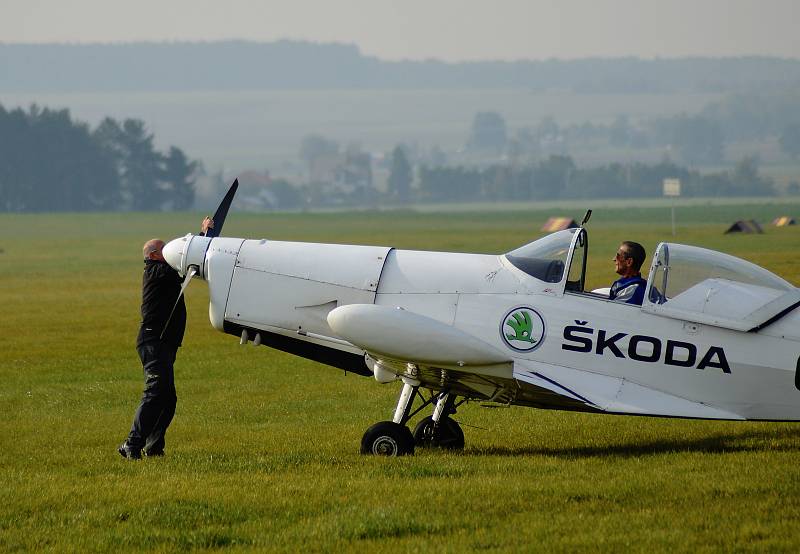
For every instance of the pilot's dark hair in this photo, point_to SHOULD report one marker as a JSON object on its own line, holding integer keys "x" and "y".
{"x": 637, "y": 253}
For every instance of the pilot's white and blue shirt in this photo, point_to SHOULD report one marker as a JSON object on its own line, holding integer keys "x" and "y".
{"x": 629, "y": 290}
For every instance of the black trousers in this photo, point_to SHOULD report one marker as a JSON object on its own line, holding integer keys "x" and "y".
{"x": 157, "y": 408}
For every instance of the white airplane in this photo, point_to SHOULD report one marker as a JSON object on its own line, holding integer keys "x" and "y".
{"x": 717, "y": 337}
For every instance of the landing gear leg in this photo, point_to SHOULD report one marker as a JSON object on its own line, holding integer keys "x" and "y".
{"x": 393, "y": 438}
{"x": 439, "y": 430}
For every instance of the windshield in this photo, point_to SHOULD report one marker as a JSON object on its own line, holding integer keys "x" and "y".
{"x": 545, "y": 258}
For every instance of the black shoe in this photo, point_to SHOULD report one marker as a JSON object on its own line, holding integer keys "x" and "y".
{"x": 129, "y": 453}
{"x": 154, "y": 453}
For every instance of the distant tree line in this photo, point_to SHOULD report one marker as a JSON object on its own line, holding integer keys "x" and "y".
{"x": 557, "y": 177}
{"x": 48, "y": 162}
{"x": 552, "y": 178}
{"x": 291, "y": 65}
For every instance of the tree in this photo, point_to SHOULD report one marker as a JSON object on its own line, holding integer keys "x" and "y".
{"x": 149, "y": 179}
{"x": 138, "y": 163}
{"x": 554, "y": 177}
{"x": 51, "y": 163}
{"x": 400, "y": 176}
{"x": 357, "y": 168}
{"x": 178, "y": 179}
{"x": 746, "y": 181}
{"x": 286, "y": 195}
{"x": 142, "y": 166}
{"x": 313, "y": 147}
{"x": 450, "y": 184}
{"x": 48, "y": 162}
{"x": 488, "y": 132}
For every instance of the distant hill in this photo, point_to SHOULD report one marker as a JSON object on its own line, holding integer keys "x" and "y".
{"x": 239, "y": 65}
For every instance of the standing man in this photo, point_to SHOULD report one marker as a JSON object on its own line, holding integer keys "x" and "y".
{"x": 159, "y": 339}
{"x": 630, "y": 287}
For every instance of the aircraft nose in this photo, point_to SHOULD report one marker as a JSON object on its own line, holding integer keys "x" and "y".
{"x": 187, "y": 251}
{"x": 174, "y": 253}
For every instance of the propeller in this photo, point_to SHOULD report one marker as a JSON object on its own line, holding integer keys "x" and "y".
{"x": 222, "y": 210}
{"x": 219, "y": 220}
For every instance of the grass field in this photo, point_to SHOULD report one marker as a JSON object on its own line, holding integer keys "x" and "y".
{"x": 263, "y": 452}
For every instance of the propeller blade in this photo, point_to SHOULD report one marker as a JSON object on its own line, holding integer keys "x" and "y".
{"x": 222, "y": 210}
{"x": 189, "y": 274}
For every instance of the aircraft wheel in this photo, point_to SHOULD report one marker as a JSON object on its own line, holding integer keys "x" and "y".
{"x": 387, "y": 438}
{"x": 448, "y": 434}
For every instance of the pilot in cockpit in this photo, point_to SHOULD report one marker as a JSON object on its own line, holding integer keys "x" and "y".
{"x": 630, "y": 287}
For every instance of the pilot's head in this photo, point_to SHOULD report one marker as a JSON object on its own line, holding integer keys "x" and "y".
{"x": 152, "y": 250}
{"x": 629, "y": 258}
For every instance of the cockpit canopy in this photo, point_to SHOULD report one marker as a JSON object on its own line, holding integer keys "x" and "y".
{"x": 546, "y": 258}
{"x": 697, "y": 284}
{"x": 680, "y": 267}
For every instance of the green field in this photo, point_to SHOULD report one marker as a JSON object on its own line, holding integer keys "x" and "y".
{"x": 263, "y": 452}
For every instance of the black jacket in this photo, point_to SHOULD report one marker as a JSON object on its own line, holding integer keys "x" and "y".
{"x": 161, "y": 286}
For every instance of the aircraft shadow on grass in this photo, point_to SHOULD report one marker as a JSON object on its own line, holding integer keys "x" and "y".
{"x": 751, "y": 441}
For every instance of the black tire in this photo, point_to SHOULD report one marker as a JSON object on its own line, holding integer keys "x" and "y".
{"x": 447, "y": 435}
{"x": 387, "y": 438}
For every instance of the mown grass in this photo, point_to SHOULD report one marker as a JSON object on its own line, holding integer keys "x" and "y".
{"x": 262, "y": 454}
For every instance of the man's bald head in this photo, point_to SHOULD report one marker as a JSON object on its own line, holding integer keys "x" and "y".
{"x": 152, "y": 250}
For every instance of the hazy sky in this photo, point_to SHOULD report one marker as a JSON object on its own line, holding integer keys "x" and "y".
{"x": 417, "y": 29}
